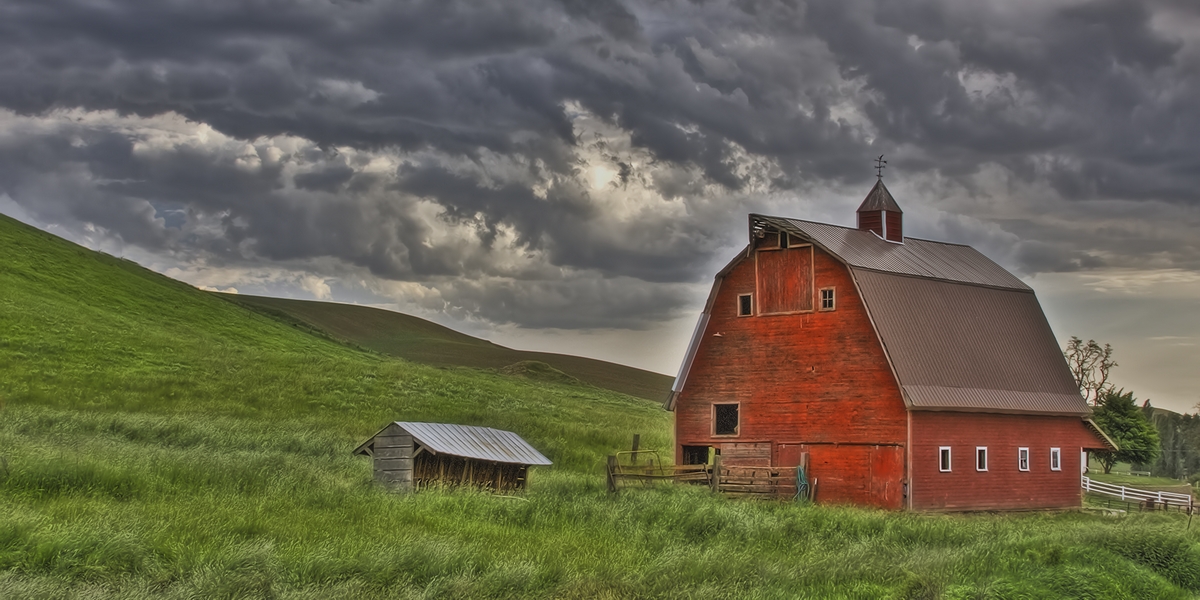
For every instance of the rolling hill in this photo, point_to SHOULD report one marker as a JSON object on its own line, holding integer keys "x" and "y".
{"x": 422, "y": 341}
{"x": 82, "y": 330}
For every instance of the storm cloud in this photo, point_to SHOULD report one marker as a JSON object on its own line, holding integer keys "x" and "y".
{"x": 586, "y": 164}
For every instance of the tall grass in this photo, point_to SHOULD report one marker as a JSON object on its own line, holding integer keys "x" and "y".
{"x": 131, "y": 505}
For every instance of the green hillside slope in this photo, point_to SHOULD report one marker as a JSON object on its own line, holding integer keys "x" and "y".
{"x": 84, "y": 330}
{"x": 161, "y": 442}
{"x": 421, "y": 341}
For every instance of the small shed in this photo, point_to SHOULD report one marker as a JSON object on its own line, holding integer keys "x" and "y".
{"x": 410, "y": 456}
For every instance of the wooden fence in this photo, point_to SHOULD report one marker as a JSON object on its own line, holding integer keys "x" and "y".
{"x": 645, "y": 469}
{"x": 1143, "y": 498}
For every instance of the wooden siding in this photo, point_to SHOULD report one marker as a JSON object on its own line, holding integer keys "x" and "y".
{"x": 445, "y": 470}
{"x": 1003, "y": 486}
{"x": 895, "y": 226}
{"x": 819, "y": 379}
{"x": 392, "y": 458}
{"x": 746, "y": 454}
{"x": 863, "y": 474}
{"x": 871, "y": 221}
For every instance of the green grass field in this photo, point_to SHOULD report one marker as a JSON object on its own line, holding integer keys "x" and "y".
{"x": 161, "y": 442}
{"x": 428, "y": 343}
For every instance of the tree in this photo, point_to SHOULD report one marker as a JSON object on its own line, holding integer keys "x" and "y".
{"x": 1090, "y": 365}
{"x": 1117, "y": 415}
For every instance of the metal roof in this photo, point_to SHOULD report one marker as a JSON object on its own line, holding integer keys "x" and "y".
{"x": 921, "y": 258}
{"x": 879, "y": 198}
{"x": 967, "y": 347}
{"x": 483, "y": 443}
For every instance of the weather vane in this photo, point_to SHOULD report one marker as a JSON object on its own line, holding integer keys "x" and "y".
{"x": 880, "y": 165}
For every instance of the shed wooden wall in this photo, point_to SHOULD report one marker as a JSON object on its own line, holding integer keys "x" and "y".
{"x": 815, "y": 379}
{"x": 1002, "y": 486}
{"x": 392, "y": 458}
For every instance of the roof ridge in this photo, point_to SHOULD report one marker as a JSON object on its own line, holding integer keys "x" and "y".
{"x": 906, "y": 238}
{"x": 1024, "y": 290}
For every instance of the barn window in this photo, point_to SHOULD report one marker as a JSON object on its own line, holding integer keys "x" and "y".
{"x": 1023, "y": 459}
{"x": 1055, "y": 459}
{"x": 725, "y": 419}
{"x": 745, "y": 305}
{"x": 980, "y": 458}
{"x": 944, "y": 459}
{"x": 827, "y": 299}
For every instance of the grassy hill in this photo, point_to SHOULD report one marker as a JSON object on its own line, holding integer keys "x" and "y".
{"x": 418, "y": 340}
{"x": 161, "y": 442}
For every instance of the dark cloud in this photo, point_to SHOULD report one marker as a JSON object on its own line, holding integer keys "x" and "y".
{"x": 540, "y": 147}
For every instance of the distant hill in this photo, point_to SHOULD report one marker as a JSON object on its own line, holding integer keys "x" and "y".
{"x": 422, "y": 341}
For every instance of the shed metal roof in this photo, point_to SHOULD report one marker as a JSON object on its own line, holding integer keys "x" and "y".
{"x": 483, "y": 443}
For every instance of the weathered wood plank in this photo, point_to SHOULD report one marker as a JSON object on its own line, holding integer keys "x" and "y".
{"x": 395, "y": 475}
{"x": 393, "y": 464}
{"x": 388, "y": 441}
{"x": 763, "y": 489}
{"x": 394, "y": 452}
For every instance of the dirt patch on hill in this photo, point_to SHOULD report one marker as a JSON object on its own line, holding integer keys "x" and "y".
{"x": 538, "y": 371}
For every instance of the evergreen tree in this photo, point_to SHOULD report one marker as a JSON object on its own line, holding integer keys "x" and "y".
{"x": 1117, "y": 415}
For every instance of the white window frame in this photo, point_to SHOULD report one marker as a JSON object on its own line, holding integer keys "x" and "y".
{"x": 739, "y": 305}
{"x": 832, "y": 298}
{"x": 946, "y": 467}
{"x": 1022, "y": 457}
{"x": 1056, "y": 459}
{"x": 985, "y": 458}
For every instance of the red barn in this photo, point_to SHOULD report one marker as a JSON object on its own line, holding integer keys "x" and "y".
{"x": 915, "y": 374}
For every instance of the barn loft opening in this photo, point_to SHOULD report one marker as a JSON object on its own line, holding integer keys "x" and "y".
{"x": 696, "y": 455}
{"x": 784, "y": 279}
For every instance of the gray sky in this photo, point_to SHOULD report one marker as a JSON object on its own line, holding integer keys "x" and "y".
{"x": 568, "y": 175}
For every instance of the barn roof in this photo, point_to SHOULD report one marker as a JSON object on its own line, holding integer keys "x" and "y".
{"x": 960, "y": 331}
{"x": 483, "y": 443}
{"x": 957, "y": 346}
{"x": 917, "y": 257}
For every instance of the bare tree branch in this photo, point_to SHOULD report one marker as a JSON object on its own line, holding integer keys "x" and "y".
{"x": 1090, "y": 365}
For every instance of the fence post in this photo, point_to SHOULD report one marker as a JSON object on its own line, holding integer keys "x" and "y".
{"x": 637, "y": 439}
{"x": 611, "y": 468}
{"x": 716, "y": 473}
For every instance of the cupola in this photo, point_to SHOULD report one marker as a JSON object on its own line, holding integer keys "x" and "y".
{"x": 880, "y": 213}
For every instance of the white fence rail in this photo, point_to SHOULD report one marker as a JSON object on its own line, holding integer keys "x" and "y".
{"x": 1129, "y": 494}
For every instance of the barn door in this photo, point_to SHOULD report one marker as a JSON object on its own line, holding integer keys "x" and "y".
{"x": 887, "y": 476}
